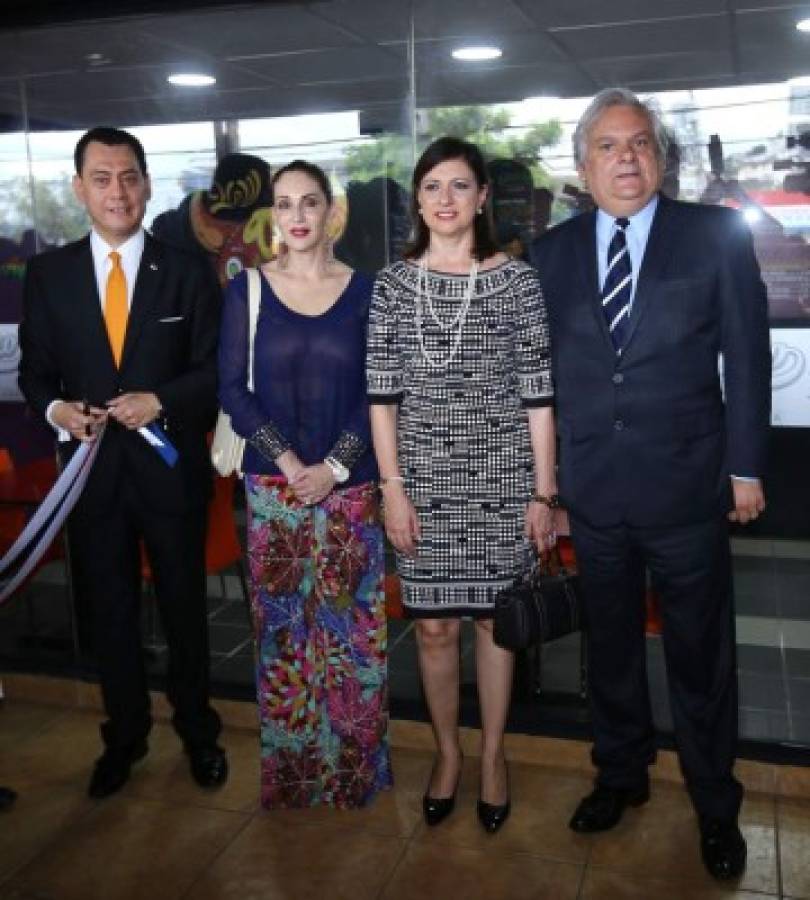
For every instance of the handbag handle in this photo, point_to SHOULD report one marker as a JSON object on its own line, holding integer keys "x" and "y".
{"x": 254, "y": 296}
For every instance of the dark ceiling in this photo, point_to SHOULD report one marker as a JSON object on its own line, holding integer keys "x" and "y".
{"x": 283, "y": 58}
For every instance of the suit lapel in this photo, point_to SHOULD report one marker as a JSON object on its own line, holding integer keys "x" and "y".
{"x": 585, "y": 243}
{"x": 145, "y": 295}
{"x": 659, "y": 246}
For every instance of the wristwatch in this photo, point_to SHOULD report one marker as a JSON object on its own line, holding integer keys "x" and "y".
{"x": 552, "y": 501}
{"x": 339, "y": 472}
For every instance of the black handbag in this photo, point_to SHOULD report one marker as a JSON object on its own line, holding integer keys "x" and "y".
{"x": 542, "y": 604}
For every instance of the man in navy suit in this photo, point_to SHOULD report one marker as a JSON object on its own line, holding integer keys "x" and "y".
{"x": 656, "y": 450}
{"x": 156, "y": 362}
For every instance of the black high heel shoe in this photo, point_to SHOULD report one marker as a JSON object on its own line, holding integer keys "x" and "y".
{"x": 492, "y": 815}
{"x": 437, "y": 809}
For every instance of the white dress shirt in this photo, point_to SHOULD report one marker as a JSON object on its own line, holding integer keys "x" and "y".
{"x": 131, "y": 252}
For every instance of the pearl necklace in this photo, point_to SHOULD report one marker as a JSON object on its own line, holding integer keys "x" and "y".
{"x": 457, "y": 322}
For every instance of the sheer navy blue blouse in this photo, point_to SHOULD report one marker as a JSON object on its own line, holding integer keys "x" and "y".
{"x": 309, "y": 387}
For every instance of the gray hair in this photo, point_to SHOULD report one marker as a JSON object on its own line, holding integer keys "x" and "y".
{"x": 616, "y": 96}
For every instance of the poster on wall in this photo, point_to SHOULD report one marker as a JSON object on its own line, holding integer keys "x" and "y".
{"x": 790, "y": 379}
{"x": 9, "y": 363}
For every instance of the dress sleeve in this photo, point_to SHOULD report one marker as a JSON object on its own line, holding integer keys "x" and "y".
{"x": 248, "y": 418}
{"x": 384, "y": 379}
{"x": 532, "y": 351}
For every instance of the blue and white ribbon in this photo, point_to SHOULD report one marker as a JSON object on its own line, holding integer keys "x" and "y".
{"x": 50, "y": 516}
{"x": 157, "y": 438}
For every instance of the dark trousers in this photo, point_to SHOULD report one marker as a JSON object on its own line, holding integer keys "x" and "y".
{"x": 690, "y": 568}
{"x": 105, "y": 552}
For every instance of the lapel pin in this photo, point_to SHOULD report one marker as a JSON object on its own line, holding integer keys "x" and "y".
{"x": 153, "y": 267}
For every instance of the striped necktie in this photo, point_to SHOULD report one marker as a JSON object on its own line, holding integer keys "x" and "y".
{"x": 116, "y": 308}
{"x": 618, "y": 286}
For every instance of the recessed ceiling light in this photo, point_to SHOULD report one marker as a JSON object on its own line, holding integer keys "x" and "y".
{"x": 191, "y": 79}
{"x": 541, "y": 98}
{"x": 477, "y": 54}
{"x": 803, "y": 25}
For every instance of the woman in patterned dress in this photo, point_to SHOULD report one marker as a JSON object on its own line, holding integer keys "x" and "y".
{"x": 460, "y": 388}
{"x": 315, "y": 544}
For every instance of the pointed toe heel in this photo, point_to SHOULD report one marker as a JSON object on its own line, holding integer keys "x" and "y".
{"x": 437, "y": 809}
{"x": 491, "y": 816}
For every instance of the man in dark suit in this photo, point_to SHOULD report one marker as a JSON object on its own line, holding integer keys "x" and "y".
{"x": 646, "y": 295}
{"x": 120, "y": 330}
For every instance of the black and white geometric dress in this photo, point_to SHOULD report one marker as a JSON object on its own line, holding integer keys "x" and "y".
{"x": 463, "y": 436}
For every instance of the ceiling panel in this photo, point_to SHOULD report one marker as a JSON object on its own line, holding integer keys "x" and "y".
{"x": 652, "y": 72}
{"x": 276, "y": 59}
{"x": 362, "y": 63}
{"x": 708, "y": 33}
{"x": 244, "y": 31}
{"x": 586, "y": 13}
{"x": 769, "y": 40}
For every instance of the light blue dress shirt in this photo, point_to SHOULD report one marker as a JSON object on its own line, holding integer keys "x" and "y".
{"x": 637, "y": 232}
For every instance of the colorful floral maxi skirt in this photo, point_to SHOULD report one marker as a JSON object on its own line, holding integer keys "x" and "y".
{"x": 319, "y": 616}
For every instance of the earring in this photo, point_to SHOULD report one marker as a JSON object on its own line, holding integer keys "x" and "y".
{"x": 480, "y": 210}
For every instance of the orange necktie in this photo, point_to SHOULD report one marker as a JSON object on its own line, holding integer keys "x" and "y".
{"x": 116, "y": 308}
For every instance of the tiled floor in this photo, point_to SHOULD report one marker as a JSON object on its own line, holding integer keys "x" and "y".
{"x": 162, "y": 837}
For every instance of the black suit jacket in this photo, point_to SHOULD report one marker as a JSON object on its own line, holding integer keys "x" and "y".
{"x": 648, "y": 438}
{"x": 170, "y": 349}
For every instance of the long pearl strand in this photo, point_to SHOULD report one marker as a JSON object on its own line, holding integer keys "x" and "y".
{"x": 423, "y": 296}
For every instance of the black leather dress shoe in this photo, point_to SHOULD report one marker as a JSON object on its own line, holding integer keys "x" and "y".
{"x": 112, "y": 770}
{"x": 7, "y": 798}
{"x": 723, "y": 848}
{"x": 492, "y": 816}
{"x": 603, "y": 808}
{"x": 209, "y": 765}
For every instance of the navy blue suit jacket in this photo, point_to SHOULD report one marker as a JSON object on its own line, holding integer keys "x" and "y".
{"x": 649, "y": 438}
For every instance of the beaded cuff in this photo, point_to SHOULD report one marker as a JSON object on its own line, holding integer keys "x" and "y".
{"x": 348, "y": 449}
{"x": 269, "y": 442}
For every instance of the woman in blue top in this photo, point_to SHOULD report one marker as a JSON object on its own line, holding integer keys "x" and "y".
{"x": 315, "y": 543}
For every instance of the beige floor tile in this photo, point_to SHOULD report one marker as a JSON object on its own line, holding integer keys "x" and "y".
{"x": 269, "y": 861}
{"x": 794, "y": 846}
{"x": 394, "y": 813}
{"x": 602, "y": 884}
{"x": 793, "y": 781}
{"x": 130, "y": 849}
{"x": 661, "y": 840}
{"x": 62, "y": 692}
{"x": 61, "y": 753}
{"x": 542, "y": 803}
{"x": 431, "y": 870}
{"x": 411, "y": 769}
{"x": 19, "y": 721}
{"x": 37, "y": 818}
{"x": 164, "y": 773}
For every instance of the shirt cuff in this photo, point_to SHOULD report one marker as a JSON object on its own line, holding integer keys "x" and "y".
{"x": 61, "y": 434}
{"x": 748, "y": 478}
